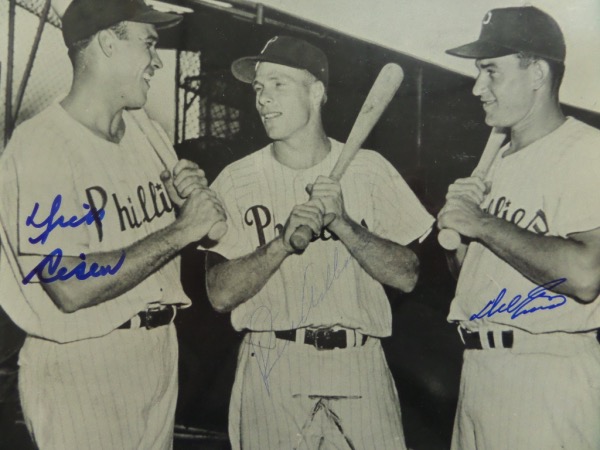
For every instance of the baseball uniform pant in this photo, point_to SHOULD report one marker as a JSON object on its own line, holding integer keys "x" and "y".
{"x": 114, "y": 392}
{"x": 544, "y": 393}
{"x": 290, "y": 395}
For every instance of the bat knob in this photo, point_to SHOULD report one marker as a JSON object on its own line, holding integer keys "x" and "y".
{"x": 301, "y": 238}
{"x": 217, "y": 231}
{"x": 449, "y": 239}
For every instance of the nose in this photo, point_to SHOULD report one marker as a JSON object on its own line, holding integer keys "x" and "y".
{"x": 263, "y": 97}
{"x": 156, "y": 61}
{"x": 480, "y": 86}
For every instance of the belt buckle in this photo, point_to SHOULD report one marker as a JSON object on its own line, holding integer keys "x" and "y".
{"x": 151, "y": 312}
{"x": 321, "y": 335}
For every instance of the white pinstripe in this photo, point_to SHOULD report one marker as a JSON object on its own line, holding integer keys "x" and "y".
{"x": 83, "y": 384}
{"x": 278, "y": 384}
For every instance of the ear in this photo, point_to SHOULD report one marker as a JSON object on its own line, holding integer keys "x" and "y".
{"x": 106, "y": 41}
{"x": 540, "y": 73}
{"x": 317, "y": 93}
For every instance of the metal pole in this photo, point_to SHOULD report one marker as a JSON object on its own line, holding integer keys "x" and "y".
{"x": 31, "y": 60}
{"x": 8, "y": 123}
{"x": 419, "y": 114}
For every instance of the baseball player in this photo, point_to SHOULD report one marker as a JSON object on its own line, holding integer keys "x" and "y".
{"x": 311, "y": 371}
{"x": 89, "y": 265}
{"x": 526, "y": 301}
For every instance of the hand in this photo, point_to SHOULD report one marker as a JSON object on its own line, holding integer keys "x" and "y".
{"x": 309, "y": 214}
{"x": 328, "y": 193}
{"x": 462, "y": 211}
{"x": 187, "y": 177}
{"x": 201, "y": 210}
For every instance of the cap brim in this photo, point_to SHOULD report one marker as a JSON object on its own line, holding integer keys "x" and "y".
{"x": 158, "y": 18}
{"x": 244, "y": 69}
{"x": 480, "y": 50}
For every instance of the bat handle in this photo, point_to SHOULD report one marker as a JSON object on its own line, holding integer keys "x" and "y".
{"x": 301, "y": 238}
{"x": 217, "y": 231}
{"x": 449, "y": 239}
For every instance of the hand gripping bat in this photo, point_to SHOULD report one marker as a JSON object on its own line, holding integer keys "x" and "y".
{"x": 387, "y": 83}
{"x": 167, "y": 156}
{"x": 448, "y": 238}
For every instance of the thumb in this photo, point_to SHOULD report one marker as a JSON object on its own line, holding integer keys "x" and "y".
{"x": 328, "y": 218}
{"x": 167, "y": 179}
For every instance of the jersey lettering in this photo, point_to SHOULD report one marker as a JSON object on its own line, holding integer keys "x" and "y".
{"x": 261, "y": 217}
{"x": 501, "y": 208}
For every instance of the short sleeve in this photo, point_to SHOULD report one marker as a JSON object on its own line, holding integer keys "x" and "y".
{"x": 399, "y": 215}
{"x": 578, "y": 206}
{"x": 52, "y": 211}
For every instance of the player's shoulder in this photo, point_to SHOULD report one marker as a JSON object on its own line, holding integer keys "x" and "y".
{"x": 579, "y": 139}
{"x": 248, "y": 163}
{"x": 32, "y": 137}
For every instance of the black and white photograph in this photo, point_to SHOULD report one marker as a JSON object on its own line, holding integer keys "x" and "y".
{"x": 299, "y": 225}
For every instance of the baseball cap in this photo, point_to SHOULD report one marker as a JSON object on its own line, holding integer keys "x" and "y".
{"x": 287, "y": 51}
{"x": 506, "y": 31}
{"x": 83, "y": 18}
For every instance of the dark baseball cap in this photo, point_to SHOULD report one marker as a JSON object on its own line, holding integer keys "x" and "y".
{"x": 287, "y": 51}
{"x": 83, "y": 18}
{"x": 506, "y": 31}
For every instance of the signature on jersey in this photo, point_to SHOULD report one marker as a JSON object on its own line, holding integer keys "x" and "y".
{"x": 536, "y": 300}
{"x": 49, "y": 269}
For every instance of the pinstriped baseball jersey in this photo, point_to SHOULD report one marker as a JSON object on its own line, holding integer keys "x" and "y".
{"x": 324, "y": 286}
{"x": 561, "y": 172}
{"x": 52, "y": 155}
{"x": 83, "y": 383}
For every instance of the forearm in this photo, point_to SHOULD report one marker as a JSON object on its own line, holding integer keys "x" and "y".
{"x": 140, "y": 260}
{"x": 233, "y": 282}
{"x": 544, "y": 258}
{"x": 386, "y": 261}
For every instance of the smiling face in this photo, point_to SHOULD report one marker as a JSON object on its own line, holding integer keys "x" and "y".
{"x": 506, "y": 90}
{"x": 135, "y": 61}
{"x": 284, "y": 99}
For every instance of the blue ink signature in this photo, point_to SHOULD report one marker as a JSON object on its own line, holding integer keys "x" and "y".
{"x": 51, "y": 222}
{"x": 520, "y": 306}
{"x": 57, "y": 273}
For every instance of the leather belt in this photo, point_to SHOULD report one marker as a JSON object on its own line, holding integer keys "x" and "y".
{"x": 473, "y": 339}
{"x": 325, "y": 338}
{"x": 152, "y": 318}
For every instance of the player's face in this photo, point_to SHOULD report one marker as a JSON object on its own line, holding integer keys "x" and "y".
{"x": 506, "y": 91}
{"x": 283, "y": 99}
{"x": 135, "y": 62}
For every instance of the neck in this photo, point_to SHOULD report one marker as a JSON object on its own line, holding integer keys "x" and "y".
{"x": 302, "y": 151}
{"x": 89, "y": 104}
{"x": 542, "y": 121}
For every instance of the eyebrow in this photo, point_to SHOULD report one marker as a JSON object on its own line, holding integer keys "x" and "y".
{"x": 481, "y": 65}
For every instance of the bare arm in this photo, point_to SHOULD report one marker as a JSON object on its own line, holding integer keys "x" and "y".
{"x": 231, "y": 283}
{"x": 386, "y": 261}
{"x": 198, "y": 214}
{"x": 540, "y": 258}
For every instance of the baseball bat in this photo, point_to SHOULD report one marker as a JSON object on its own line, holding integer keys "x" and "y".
{"x": 385, "y": 86}
{"x": 165, "y": 153}
{"x": 447, "y": 237}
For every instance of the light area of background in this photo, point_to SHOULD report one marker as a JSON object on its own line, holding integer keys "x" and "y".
{"x": 426, "y": 28}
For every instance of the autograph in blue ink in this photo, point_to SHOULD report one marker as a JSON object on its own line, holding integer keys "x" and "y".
{"x": 49, "y": 269}
{"x": 51, "y": 222}
{"x": 536, "y": 300}
{"x": 57, "y": 273}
